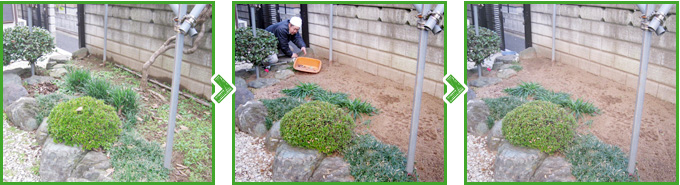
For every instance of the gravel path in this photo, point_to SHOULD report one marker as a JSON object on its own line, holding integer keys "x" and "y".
{"x": 253, "y": 162}
{"x": 19, "y": 155}
{"x": 479, "y": 160}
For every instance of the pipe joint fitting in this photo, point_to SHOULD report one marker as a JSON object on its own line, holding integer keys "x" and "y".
{"x": 421, "y": 24}
{"x": 190, "y": 19}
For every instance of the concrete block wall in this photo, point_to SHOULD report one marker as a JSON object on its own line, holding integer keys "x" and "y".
{"x": 136, "y": 31}
{"x": 379, "y": 39}
{"x": 67, "y": 22}
{"x": 513, "y": 19}
{"x": 606, "y": 40}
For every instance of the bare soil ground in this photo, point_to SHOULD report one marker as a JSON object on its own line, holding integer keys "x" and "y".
{"x": 394, "y": 101}
{"x": 657, "y": 147}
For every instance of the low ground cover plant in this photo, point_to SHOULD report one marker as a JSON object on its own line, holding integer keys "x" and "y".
{"x": 499, "y": 107}
{"x": 595, "y": 161}
{"x": 84, "y": 121}
{"x": 47, "y": 103}
{"x": 136, "y": 159}
{"x": 276, "y": 108}
{"x": 539, "y": 124}
{"x": 373, "y": 161}
{"x": 535, "y": 91}
{"x": 317, "y": 125}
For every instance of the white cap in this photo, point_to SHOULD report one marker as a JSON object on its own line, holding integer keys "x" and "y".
{"x": 296, "y": 21}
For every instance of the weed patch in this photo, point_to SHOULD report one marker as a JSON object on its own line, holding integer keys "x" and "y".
{"x": 499, "y": 107}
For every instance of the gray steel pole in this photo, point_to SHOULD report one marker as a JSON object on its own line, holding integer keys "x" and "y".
{"x": 106, "y": 28}
{"x": 330, "y": 44}
{"x": 252, "y": 24}
{"x": 420, "y": 72}
{"x": 554, "y": 17}
{"x": 475, "y": 16}
{"x": 642, "y": 80}
{"x": 30, "y": 18}
{"x": 179, "y": 49}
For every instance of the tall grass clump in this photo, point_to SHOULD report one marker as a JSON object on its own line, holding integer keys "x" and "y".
{"x": 97, "y": 88}
{"x": 525, "y": 89}
{"x": 124, "y": 100}
{"x": 76, "y": 79}
{"x": 303, "y": 90}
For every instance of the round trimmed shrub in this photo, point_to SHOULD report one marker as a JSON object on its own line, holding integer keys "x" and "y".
{"x": 84, "y": 121}
{"x": 317, "y": 125}
{"x": 539, "y": 124}
{"x": 482, "y": 45}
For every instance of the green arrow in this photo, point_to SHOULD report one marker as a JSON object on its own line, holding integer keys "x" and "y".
{"x": 226, "y": 89}
{"x": 457, "y": 88}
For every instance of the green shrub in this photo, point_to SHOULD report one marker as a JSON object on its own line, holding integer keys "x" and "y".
{"x": 76, "y": 79}
{"x": 97, "y": 88}
{"x": 317, "y": 125}
{"x": 47, "y": 102}
{"x": 481, "y": 46}
{"x": 255, "y": 49}
{"x": 594, "y": 161}
{"x": 358, "y": 107}
{"x": 499, "y": 107}
{"x": 276, "y": 108}
{"x": 136, "y": 159}
{"x": 84, "y": 121}
{"x": 123, "y": 100}
{"x": 303, "y": 90}
{"x": 526, "y": 89}
{"x": 539, "y": 124}
{"x": 373, "y": 161}
{"x": 20, "y": 43}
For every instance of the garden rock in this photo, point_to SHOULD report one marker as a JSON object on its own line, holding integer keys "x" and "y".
{"x": 484, "y": 81}
{"x": 471, "y": 94}
{"x": 273, "y": 139}
{"x": 497, "y": 65}
{"x": 262, "y": 82}
{"x": 57, "y": 59}
{"x": 80, "y": 53}
{"x": 58, "y": 160}
{"x": 18, "y": 69}
{"x": 477, "y": 112}
{"x": 554, "y": 169}
{"x": 516, "y": 164}
{"x": 92, "y": 167}
{"x": 250, "y": 118}
{"x": 332, "y": 169}
{"x": 294, "y": 164}
{"x": 242, "y": 93}
{"x": 507, "y": 59}
{"x": 12, "y": 89}
{"x": 58, "y": 72}
{"x": 528, "y": 53}
{"x": 506, "y": 66}
{"x": 42, "y": 133}
{"x": 495, "y": 136}
{"x": 283, "y": 74}
{"x": 22, "y": 113}
{"x": 506, "y": 73}
{"x": 37, "y": 79}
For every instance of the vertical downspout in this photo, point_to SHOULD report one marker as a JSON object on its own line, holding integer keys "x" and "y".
{"x": 553, "y": 31}
{"x": 179, "y": 48}
{"x": 330, "y": 36}
{"x": 106, "y": 28}
{"x": 527, "y": 26}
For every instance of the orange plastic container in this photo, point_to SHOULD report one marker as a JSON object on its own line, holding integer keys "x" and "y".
{"x": 309, "y": 65}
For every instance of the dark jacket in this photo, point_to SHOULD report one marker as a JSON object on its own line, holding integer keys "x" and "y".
{"x": 280, "y": 30}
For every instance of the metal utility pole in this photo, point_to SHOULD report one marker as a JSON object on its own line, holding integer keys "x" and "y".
{"x": 106, "y": 29}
